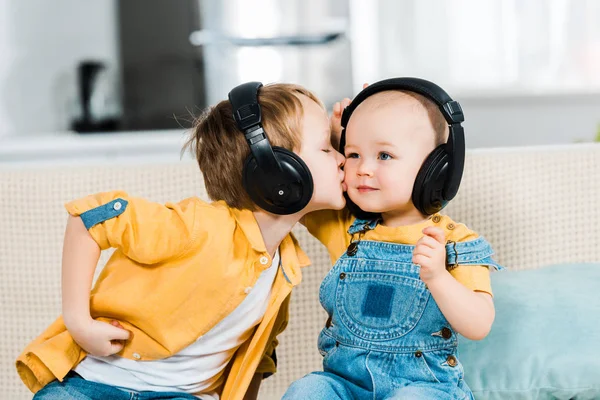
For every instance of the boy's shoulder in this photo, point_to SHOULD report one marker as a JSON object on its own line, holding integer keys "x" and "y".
{"x": 211, "y": 215}
{"x": 191, "y": 211}
{"x": 203, "y": 208}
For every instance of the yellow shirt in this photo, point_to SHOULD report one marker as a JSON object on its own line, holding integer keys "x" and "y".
{"x": 331, "y": 228}
{"x": 178, "y": 269}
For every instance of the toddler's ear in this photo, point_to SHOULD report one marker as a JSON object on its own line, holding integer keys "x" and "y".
{"x": 365, "y": 85}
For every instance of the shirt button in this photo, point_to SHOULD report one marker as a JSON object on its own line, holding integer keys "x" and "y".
{"x": 452, "y": 361}
{"x": 450, "y": 226}
{"x": 264, "y": 260}
{"x": 248, "y": 289}
{"x": 136, "y": 356}
{"x": 117, "y": 206}
{"x": 436, "y": 218}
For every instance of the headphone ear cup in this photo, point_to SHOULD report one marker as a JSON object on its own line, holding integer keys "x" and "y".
{"x": 252, "y": 180}
{"x": 427, "y": 195}
{"x": 294, "y": 181}
{"x": 297, "y": 175}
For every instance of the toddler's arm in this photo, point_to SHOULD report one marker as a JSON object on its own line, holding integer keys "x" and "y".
{"x": 470, "y": 313}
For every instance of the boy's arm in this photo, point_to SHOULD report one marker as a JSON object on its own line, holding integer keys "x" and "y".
{"x": 145, "y": 231}
{"x": 268, "y": 364}
{"x": 329, "y": 227}
{"x": 335, "y": 122}
{"x": 252, "y": 392}
{"x": 80, "y": 256}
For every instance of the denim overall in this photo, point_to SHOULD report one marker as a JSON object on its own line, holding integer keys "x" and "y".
{"x": 385, "y": 337}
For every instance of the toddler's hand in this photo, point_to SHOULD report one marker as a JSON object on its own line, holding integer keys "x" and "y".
{"x": 430, "y": 253}
{"x": 100, "y": 338}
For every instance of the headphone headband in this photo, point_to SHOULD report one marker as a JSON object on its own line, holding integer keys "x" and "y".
{"x": 248, "y": 117}
{"x": 246, "y": 110}
{"x": 276, "y": 179}
{"x": 449, "y": 108}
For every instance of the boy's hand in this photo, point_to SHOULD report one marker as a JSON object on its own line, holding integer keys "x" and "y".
{"x": 430, "y": 254}
{"x": 100, "y": 338}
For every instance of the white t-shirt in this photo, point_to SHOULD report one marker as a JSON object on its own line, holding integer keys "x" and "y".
{"x": 198, "y": 368}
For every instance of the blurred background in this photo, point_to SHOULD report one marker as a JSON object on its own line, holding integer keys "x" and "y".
{"x": 101, "y": 80}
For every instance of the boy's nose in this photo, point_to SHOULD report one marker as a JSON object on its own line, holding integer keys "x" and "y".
{"x": 341, "y": 160}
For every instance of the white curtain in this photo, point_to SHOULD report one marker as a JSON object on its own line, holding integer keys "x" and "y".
{"x": 489, "y": 46}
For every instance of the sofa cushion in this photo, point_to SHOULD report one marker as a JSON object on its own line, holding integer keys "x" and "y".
{"x": 545, "y": 342}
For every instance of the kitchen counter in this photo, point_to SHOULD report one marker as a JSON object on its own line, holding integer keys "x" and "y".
{"x": 70, "y": 148}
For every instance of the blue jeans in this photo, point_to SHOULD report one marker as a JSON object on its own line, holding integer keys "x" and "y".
{"x": 326, "y": 385}
{"x": 76, "y": 388}
{"x": 358, "y": 373}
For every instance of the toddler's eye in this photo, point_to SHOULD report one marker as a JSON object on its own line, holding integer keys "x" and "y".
{"x": 384, "y": 156}
{"x": 326, "y": 151}
{"x": 352, "y": 155}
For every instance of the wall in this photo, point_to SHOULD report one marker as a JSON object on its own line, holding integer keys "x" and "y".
{"x": 530, "y": 120}
{"x": 162, "y": 71}
{"x": 524, "y": 73}
{"x": 41, "y": 43}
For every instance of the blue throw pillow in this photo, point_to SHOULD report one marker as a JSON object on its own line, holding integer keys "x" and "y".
{"x": 545, "y": 342}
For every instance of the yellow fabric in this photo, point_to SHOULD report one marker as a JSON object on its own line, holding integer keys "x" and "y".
{"x": 331, "y": 228}
{"x": 178, "y": 269}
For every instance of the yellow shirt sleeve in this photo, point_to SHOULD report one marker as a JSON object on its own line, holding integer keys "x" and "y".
{"x": 474, "y": 277}
{"x": 144, "y": 231}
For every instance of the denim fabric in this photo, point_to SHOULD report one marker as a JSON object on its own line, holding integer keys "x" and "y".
{"x": 386, "y": 337}
{"x": 104, "y": 212}
{"x": 74, "y": 387}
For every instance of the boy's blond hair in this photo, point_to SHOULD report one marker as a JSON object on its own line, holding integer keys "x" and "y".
{"x": 220, "y": 147}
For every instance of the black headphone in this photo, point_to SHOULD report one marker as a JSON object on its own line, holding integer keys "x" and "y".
{"x": 440, "y": 175}
{"x": 276, "y": 179}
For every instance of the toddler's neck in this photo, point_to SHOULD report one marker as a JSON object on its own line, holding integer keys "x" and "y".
{"x": 403, "y": 218}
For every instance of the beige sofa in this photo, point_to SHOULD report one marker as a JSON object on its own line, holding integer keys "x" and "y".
{"x": 523, "y": 200}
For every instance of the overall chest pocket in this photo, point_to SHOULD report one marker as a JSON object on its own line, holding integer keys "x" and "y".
{"x": 380, "y": 306}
